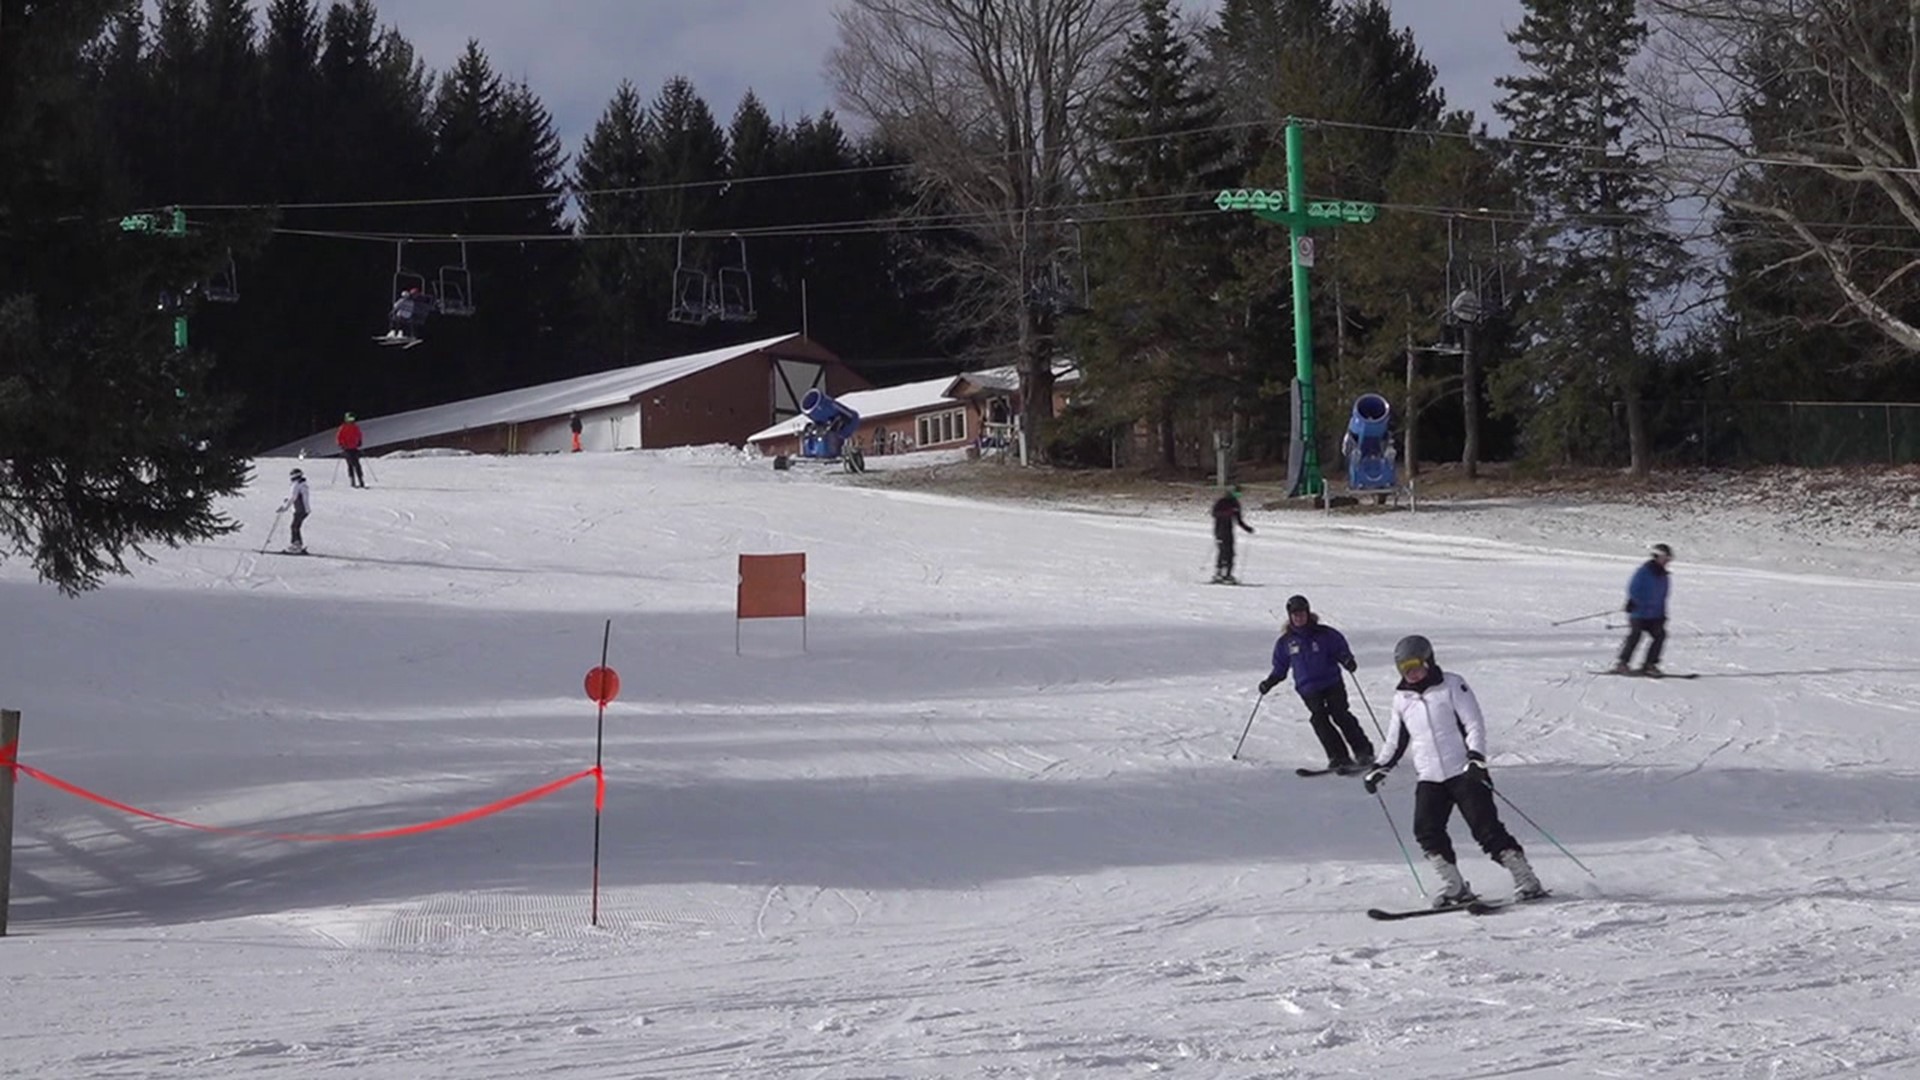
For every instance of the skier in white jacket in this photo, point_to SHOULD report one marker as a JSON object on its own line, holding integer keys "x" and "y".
{"x": 1436, "y": 716}
{"x": 300, "y": 501}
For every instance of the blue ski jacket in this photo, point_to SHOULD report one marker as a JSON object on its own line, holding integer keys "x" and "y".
{"x": 1647, "y": 591}
{"x": 1315, "y": 653}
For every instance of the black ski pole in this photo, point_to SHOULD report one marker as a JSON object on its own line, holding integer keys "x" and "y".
{"x": 1369, "y": 705}
{"x": 271, "y": 529}
{"x": 1249, "y": 727}
{"x": 1516, "y": 809}
{"x": 1404, "y": 853}
{"x": 1583, "y": 618}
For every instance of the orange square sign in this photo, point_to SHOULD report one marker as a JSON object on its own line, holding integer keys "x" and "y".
{"x": 773, "y": 586}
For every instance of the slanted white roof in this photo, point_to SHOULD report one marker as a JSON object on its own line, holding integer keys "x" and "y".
{"x": 1007, "y": 378}
{"x": 873, "y": 405}
{"x": 579, "y": 393}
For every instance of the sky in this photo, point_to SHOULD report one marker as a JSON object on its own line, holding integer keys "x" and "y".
{"x": 574, "y": 53}
{"x": 985, "y": 820}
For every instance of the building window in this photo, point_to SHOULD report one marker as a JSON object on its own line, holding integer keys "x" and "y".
{"x": 941, "y": 427}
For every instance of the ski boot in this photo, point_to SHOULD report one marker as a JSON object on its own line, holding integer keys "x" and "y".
{"x": 1621, "y": 667}
{"x": 1457, "y": 891}
{"x": 1652, "y": 671}
{"x": 1526, "y": 884}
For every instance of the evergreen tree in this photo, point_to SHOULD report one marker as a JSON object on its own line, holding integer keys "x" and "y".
{"x": 687, "y": 157}
{"x": 617, "y": 298}
{"x": 1155, "y": 340}
{"x": 492, "y": 140}
{"x": 1598, "y": 254}
{"x": 104, "y": 426}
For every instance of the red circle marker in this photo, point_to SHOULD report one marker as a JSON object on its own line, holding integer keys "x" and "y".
{"x": 603, "y": 685}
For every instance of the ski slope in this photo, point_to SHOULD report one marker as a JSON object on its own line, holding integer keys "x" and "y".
{"x": 985, "y": 826}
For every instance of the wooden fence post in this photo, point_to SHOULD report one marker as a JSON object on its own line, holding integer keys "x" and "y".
{"x": 9, "y": 747}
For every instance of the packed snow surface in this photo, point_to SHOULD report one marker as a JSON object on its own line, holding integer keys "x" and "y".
{"x": 985, "y": 824}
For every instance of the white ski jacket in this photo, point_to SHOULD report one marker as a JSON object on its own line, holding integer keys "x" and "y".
{"x": 298, "y": 498}
{"x": 1440, "y": 724}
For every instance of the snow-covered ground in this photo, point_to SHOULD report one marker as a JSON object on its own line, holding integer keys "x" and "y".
{"x": 987, "y": 825}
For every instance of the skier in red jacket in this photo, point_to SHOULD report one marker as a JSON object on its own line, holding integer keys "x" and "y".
{"x": 349, "y": 439}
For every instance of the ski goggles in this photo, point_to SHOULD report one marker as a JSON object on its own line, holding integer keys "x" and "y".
{"x": 1410, "y": 664}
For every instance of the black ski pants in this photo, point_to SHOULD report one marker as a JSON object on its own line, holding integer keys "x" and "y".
{"x": 1656, "y": 631}
{"x": 299, "y": 516}
{"x": 354, "y": 475}
{"x": 1433, "y": 804}
{"x": 1223, "y": 562}
{"x": 1334, "y": 724}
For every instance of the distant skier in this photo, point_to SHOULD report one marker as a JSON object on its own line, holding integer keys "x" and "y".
{"x": 1315, "y": 652}
{"x": 1226, "y": 515}
{"x": 573, "y": 425}
{"x": 1437, "y": 717}
{"x": 348, "y": 438}
{"x": 300, "y": 502}
{"x": 1647, "y": 612}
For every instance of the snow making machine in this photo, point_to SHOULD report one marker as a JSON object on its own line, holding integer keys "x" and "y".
{"x": 828, "y": 435}
{"x": 1368, "y": 448}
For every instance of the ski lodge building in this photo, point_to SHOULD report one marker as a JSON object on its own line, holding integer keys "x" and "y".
{"x": 719, "y": 396}
{"x": 976, "y": 409}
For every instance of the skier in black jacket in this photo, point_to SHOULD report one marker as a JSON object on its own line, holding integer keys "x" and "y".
{"x": 1226, "y": 515}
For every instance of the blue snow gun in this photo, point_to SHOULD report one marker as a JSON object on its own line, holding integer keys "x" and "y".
{"x": 1368, "y": 449}
{"x": 829, "y": 425}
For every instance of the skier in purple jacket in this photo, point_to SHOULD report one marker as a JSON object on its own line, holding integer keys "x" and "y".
{"x": 1315, "y": 652}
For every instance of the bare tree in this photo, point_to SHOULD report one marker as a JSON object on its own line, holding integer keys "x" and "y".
{"x": 1802, "y": 119}
{"x": 992, "y": 102}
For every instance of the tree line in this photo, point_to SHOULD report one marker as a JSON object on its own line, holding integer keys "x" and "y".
{"x": 1691, "y": 199}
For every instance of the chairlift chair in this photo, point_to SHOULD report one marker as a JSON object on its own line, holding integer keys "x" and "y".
{"x": 224, "y": 286}
{"x": 405, "y": 281}
{"x": 691, "y": 303}
{"x": 456, "y": 287}
{"x": 735, "y": 287}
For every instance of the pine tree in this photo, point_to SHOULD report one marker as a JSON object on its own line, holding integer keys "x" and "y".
{"x": 1598, "y": 254}
{"x": 105, "y": 428}
{"x": 616, "y": 293}
{"x": 1155, "y": 338}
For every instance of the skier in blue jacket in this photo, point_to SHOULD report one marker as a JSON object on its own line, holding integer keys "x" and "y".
{"x": 1647, "y": 611}
{"x": 1315, "y": 652}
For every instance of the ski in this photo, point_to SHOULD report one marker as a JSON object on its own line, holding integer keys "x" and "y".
{"x": 1664, "y": 675}
{"x": 1415, "y": 913}
{"x": 1351, "y": 770}
{"x": 1490, "y": 907}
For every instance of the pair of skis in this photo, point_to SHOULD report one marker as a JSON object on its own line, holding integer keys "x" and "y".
{"x": 1471, "y": 907}
{"x": 1643, "y": 675}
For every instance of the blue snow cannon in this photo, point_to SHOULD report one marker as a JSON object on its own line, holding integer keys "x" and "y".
{"x": 829, "y": 425}
{"x": 1367, "y": 446}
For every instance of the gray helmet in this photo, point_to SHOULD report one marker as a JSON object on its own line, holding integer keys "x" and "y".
{"x": 1660, "y": 549}
{"x": 1412, "y": 647}
{"x": 296, "y": 475}
{"x": 1297, "y": 603}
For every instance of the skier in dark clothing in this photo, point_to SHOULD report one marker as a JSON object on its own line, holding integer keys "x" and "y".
{"x": 1226, "y": 515}
{"x": 1647, "y": 611}
{"x": 1315, "y": 652}
{"x": 573, "y": 425}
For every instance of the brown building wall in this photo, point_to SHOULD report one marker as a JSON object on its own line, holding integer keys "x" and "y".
{"x": 727, "y": 403}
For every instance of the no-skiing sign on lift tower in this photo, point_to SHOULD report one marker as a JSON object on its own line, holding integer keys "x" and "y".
{"x": 1291, "y": 208}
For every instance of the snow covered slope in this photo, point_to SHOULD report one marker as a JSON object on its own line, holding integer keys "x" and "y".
{"x": 986, "y": 826}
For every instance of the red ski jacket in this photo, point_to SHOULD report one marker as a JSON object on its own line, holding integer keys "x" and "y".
{"x": 349, "y": 436}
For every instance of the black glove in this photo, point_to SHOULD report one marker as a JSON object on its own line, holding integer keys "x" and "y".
{"x": 1249, "y": 528}
{"x": 1268, "y": 683}
{"x": 1350, "y": 664}
{"x": 1477, "y": 768}
{"x": 1629, "y": 607}
{"x": 1374, "y": 780}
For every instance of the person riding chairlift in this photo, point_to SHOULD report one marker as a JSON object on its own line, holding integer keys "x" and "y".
{"x": 409, "y": 314}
